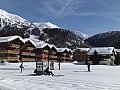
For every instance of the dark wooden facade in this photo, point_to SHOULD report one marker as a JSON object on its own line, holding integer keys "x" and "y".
{"x": 27, "y": 52}
{"x": 80, "y": 55}
{"x": 10, "y": 51}
{"x": 53, "y": 54}
{"x": 64, "y": 56}
{"x": 40, "y": 51}
{"x": 18, "y": 49}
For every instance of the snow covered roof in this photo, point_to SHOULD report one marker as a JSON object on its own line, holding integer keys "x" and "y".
{"x": 82, "y": 49}
{"x": 10, "y": 38}
{"x": 41, "y": 45}
{"x": 51, "y": 46}
{"x": 101, "y": 50}
{"x": 28, "y": 39}
{"x": 63, "y": 49}
{"x": 117, "y": 50}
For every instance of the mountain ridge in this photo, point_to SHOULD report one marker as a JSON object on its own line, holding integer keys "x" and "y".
{"x": 111, "y": 38}
{"x": 11, "y": 24}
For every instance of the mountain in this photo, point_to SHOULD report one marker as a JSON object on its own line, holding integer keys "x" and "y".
{"x": 62, "y": 38}
{"x": 111, "y": 38}
{"x": 11, "y": 24}
{"x": 82, "y": 35}
{"x": 43, "y": 25}
{"x": 10, "y": 19}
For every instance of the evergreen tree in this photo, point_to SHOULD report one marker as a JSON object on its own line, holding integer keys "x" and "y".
{"x": 96, "y": 58}
{"x": 117, "y": 60}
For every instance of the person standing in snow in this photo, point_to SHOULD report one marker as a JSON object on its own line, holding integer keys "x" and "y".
{"x": 52, "y": 65}
{"x": 21, "y": 67}
{"x": 88, "y": 65}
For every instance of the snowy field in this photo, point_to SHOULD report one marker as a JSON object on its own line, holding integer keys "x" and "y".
{"x": 71, "y": 77}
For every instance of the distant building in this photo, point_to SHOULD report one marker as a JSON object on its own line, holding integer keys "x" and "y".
{"x": 64, "y": 55}
{"x": 80, "y": 54}
{"x": 102, "y": 55}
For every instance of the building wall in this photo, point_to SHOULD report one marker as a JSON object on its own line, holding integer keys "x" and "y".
{"x": 80, "y": 56}
{"x": 10, "y": 51}
{"x": 27, "y": 52}
{"x": 64, "y": 57}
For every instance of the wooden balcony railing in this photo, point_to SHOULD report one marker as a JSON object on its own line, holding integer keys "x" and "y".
{"x": 9, "y": 51}
{"x": 9, "y": 58}
{"x": 13, "y": 58}
{"x": 46, "y": 51}
{"x": 13, "y": 51}
{"x": 28, "y": 53}
{"x": 40, "y": 55}
{"x": 14, "y": 45}
{"x": 29, "y": 48}
{"x": 28, "y": 59}
{"x": 51, "y": 56}
{"x": 52, "y": 53}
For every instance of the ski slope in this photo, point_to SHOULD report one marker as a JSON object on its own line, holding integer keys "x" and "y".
{"x": 70, "y": 77}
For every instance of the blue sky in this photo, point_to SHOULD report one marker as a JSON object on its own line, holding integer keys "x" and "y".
{"x": 87, "y": 16}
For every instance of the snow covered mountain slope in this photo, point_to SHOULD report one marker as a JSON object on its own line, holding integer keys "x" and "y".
{"x": 82, "y": 35}
{"x": 10, "y": 19}
{"x": 43, "y": 25}
{"x": 11, "y": 24}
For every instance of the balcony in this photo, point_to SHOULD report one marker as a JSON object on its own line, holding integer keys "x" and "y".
{"x": 9, "y": 58}
{"x": 13, "y": 58}
{"x": 14, "y": 45}
{"x": 40, "y": 56}
{"x": 9, "y": 51}
{"x": 13, "y": 51}
{"x": 28, "y": 53}
{"x": 28, "y": 59}
{"x": 46, "y": 51}
{"x": 52, "y": 53}
{"x": 52, "y": 56}
{"x": 29, "y": 48}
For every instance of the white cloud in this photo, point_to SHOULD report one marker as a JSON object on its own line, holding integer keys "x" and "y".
{"x": 74, "y": 7}
{"x": 63, "y": 7}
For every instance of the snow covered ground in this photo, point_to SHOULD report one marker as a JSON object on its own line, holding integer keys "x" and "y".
{"x": 71, "y": 77}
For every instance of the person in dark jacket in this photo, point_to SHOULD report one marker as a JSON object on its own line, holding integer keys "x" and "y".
{"x": 47, "y": 72}
{"x": 88, "y": 65}
{"x": 21, "y": 67}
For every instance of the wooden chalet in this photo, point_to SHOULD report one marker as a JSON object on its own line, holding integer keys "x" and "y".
{"x": 80, "y": 54}
{"x": 42, "y": 48}
{"x": 53, "y": 53}
{"x": 64, "y": 55}
{"x": 27, "y": 51}
{"x": 102, "y": 55}
{"x": 10, "y": 48}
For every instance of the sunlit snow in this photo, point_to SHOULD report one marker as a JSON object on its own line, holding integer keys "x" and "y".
{"x": 70, "y": 77}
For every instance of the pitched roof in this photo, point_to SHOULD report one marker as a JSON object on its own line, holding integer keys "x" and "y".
{"x": 10, "y": 38}
{"x": 52, "y": 46}
{"x": 28, "y": 39}
{"x": 101, "y": 50}
{"x": 41, "y": 45}
{"x": 63, "y": 49}
{"x": 82, "y": 49}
